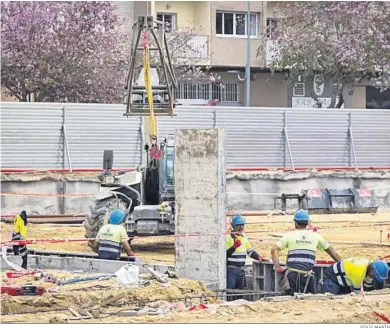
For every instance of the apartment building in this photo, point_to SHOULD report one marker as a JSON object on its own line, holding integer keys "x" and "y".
{"x": 221, "y": 42}
{"x": 221, "y": 36}
{"x": 222, "y": 30}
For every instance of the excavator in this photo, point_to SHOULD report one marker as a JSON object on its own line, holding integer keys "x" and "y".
{"x": 147, "y": 194}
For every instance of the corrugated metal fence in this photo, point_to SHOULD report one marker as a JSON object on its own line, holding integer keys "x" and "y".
{"x": 32, "y": 135}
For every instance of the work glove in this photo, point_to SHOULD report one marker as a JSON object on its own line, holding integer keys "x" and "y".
{"x": 237, "y": 243}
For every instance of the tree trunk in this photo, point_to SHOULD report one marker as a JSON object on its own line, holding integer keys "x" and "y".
{"x": 341, "y": 96}
{"x": 333, "y": 99}
{"x": 333, "y": 94}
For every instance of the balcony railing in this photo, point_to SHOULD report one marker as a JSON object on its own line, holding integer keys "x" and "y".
{"x": 197, "y": 48}
{"x": 271, "y": 54}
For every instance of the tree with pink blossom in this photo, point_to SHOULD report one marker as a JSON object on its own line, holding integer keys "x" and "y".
{"x": 73, "y": 51}
{"x": 345, "y": 41}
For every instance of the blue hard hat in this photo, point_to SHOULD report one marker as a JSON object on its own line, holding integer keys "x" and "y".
{"x": 238, "y": 220}
{"x": 381, "y": 270}
{"x": 116, "y": 217}
{"x": 301, "y": 216}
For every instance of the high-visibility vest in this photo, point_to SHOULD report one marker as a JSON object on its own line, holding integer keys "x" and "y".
{"x": 350, "y": 272}
{"x": 238, "y": 258}
{"x": 19, "y": 233}
{"x": 302, "y": 245}
{"x": 112, "y": 237}
{"x": 20, "y": 229}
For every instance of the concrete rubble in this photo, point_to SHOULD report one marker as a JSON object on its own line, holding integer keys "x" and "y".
{"x": 86, "y": 299}
{"x": 50, "y": 176}
{"x": 271, "y": 174}
{"x": 311, "y": 173}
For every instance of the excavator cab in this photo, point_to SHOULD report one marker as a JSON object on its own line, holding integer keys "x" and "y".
{"x": 147, "y": 96}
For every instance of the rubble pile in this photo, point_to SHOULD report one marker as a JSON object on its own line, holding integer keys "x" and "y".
{"x": 92, "y": 297}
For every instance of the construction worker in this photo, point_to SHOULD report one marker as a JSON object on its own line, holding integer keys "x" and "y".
{"x": 238, "y": 247}
{"x": 346, "y": 276}
{"x": 20, "y": 233}
{"x": 112, "y": 236}
{"x": 301, "y": 245}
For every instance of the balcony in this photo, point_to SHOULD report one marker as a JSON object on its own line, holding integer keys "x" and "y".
{"x": 195, "y": 49}
{"x": 271, "y": 52}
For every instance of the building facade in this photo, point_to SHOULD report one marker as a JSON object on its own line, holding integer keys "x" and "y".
{"x": 220, "y": 41}
{"x": 222, "y": 31}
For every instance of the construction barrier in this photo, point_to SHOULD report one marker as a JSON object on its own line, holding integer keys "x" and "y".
{"x": 70, "y": 240}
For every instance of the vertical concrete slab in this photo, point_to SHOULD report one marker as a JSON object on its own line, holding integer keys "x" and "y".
{"x": 200, "y": 191}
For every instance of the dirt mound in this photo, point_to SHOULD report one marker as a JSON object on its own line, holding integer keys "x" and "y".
{"x": 349, "y": 309}
{"x": 97, "y": 293}
{"x": 51, "y": 176}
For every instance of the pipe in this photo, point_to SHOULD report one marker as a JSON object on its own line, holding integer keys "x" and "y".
{"x": 248, "y": 56}
{"x": 67, "y": 148}
{"x": 75, "y": 280}
{"x": 44, "y": 216}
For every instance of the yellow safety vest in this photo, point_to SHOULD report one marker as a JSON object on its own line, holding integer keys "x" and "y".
{"x": 350, "y": 272}
{"x": 20, "y": 230}
{"x": 302, "y": 246}
{"x": 238, "y": 258}
{"x": 112, "y": 236}
{"x": 113, "y": 232}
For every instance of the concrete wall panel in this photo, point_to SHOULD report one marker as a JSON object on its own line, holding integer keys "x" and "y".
{"x": 200, "y": 204}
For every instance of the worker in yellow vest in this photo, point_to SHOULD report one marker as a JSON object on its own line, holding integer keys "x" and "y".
{"x": 346, "y": 276}
{"x": 301, "y": 258}
{"x": 238, "y": 248}
{"x": 20, "y": 233}
{"x": 111, "y": 237}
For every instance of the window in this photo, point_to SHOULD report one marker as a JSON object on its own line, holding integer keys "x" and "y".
{"x": 224, "y": 92}
{"x": 272, "y": 23}
{"x": 169, "y": 20}
{"x": 299, "y": 90}
{"x": 235, "y": 24}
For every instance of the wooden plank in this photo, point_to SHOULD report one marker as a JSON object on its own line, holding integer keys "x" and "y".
{"x": 160, "y": 278}
{"x": 74, "y": 312}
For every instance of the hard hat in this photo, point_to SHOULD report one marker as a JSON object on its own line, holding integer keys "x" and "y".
{"x": 301, "y": 216}
{"x": 381, "y": 270}
{"x": 116, "y": 216}
{"x": 238, "y": 220}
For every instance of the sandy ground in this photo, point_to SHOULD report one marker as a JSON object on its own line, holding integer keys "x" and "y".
{"x": 356, "y": 229}
{"x": 346, "y": 232}
{"x": 91, "y": 295}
